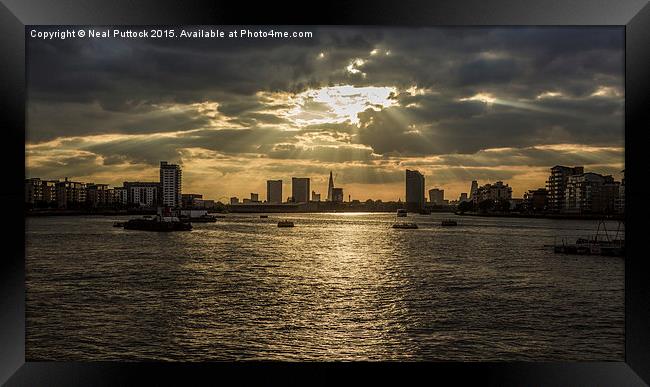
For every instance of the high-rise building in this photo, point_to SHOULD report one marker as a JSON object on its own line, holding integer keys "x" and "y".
{"x": 472, "y": 190}
{"x": 171, "y": 184}
{"x": 142, "y": 194}
{"x": 494, "y": 192}
{"x": 414, "y": 190}
{"x": 120, "y": 195}
{"x": 330, "y": 187}
{"x": 591, "y": 193}
{"x": 99, "y": 195}
{"x": 274, "y": 191}
{"x": 556, "y": 185}
{"x": 70, "y": 193}
{"x": 437, "y": 196}
{"x": 33, "y": 190}
{"x": 337, "y": 195}
{"x": 300, "y": 189}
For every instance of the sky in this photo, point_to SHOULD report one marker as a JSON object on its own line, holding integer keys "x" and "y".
{"x": 458, "y": 104}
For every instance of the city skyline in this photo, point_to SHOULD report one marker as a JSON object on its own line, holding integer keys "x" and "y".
{"x": 484, "y": 104}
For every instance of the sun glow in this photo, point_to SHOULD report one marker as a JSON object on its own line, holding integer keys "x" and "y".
{"x": 338, "y": 103}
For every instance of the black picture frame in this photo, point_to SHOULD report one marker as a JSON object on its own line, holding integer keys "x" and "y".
{"x": 16, "y": 14}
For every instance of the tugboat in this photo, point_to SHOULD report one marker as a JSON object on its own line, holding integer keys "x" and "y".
{"x": 285, "y": 223}
{"x": 405, "y": 225}
{"x": 163, "y": 221}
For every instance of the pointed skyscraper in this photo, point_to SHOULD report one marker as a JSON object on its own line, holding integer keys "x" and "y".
{"x": 330, "y": 187}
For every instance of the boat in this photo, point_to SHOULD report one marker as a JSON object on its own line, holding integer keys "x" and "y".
{"x": 449, "y": 222}
{"x": 165, "y": 220}
{"x": 401, "y": 213}
{"x": 405, "y": 225}
{"x": 285, "y": 223}
{"x": 264, "y": 216}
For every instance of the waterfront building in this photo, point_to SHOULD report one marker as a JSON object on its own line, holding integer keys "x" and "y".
{"x": 557, "y": 184}
{"x": 48, "y": 191}
{"x": 536, "y": 200}
{"x": 189, "y": 200}
{"x": 120, "y": 196}
{"x": 463, "y": 197}
{"x": 234, "y": 200}
{"x": 70, "y": 194}
{"x": 337, "y": 195}
{"x": 591, "y": 193}
{"x": 473, "y": 190}
{"x": 98, "y": 195}
{"x": 255, "y": 197}
{"x": 414, "y": 190}
{"x": 315, "y": 197}
{"x": 300, "y": 189}
{"x": 171, "y": 184}
{"x": 330, "y": 187}
{"x": 33, "y": 191}
{"x": 143, "y": 194}
{"x": 437, "y": 196}
{"x": 495, "y": 192}
{"x": 620, "y": 200}
{"x": 274, "y": 191}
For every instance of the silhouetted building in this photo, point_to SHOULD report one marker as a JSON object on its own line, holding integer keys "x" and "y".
{"x": 274, "y": 191}
{"x": 315, "y": 197}
{"x": 120, "y": 196}
{"x": 255, "y": 197}
{"x": 234, "y": 200}
{"x": 33, "y": 190}
{"x": 557, "y": 184}
{"x": 171, "y": 184}
{"x": 300, "y": 189}
{"x": 99, "y": 195}
{"x": 337, "y": 195}
{"x": 495, "y": 192}
{"x": 189, "y": 200}
{"x": 330, "y": 187}
{"x": 463, "y": 197}
{"x": 70, "y": 194}
{"x": 142, "y": 194}
{"x": 414, "y": 190}
{"x": 472, "y": 190}
{"x": 591, "y": 193}
{"x": 437, "y": 196}
{"x": 536, "y": 200}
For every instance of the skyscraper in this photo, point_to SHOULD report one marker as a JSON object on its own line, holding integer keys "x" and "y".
{"x": 274, "y": 191}
{"x": 171, "y": 184}
{"x": 473, "y": 189}
{"x": 437, "y": 196}
{"x": 300, "y": 189}
{"x": 330, "y": 187}
{"x": 414, "y": 190}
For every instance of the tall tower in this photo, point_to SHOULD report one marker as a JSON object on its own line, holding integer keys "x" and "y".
{"x": 171, "y": 183}
{"x": 414, "y": 190}
{"x": 473, "y": 189}
{"x": 330, "y": 187}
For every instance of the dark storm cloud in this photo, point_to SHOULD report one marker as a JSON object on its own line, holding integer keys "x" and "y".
{"x": 83, "y": 87}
